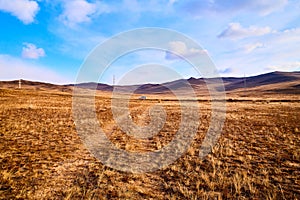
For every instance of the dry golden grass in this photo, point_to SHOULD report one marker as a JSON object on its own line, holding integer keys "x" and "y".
{"x": 42, "y": 157}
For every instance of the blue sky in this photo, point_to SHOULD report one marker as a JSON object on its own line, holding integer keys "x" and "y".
{"x": 48, "y": 40}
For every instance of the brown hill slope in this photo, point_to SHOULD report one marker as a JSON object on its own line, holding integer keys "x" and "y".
{"x": 282, "y": 82}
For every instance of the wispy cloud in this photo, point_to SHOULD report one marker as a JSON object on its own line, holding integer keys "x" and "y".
{"x": 77, "y": 42}
{"x": 264, "y": 7}
{"x": 24, "y": 10}
{"x": 277, "y": 51}
{"x": 171, "y": 2}
{"x": 281, "y": 47}
{"x": 32, "y": 52}
{"x": 15, "y": 68}
{"x": 248, "y": 48}
{"x": 201, "y": 8}
{"x": 236, "y": 31}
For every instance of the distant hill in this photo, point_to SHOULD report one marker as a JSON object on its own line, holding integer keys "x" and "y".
{"x": 92, "y": 85}
{"x": 274, "y": 82}
{"x": 34, "y": 85}
{"x": 285, "y": 79}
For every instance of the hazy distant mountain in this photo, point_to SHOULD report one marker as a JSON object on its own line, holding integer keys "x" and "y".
{"x": 274, "y": 82}
{"x": 278, "y": 82}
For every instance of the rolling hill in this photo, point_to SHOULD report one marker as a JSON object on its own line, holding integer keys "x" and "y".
{"x": 269, "y": 83}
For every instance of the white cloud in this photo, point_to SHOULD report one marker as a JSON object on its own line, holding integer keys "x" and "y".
{"x": 281, "y": 47}
{"x": 288, "y": 37}
{"x": 236, "y": 31}
{"x": 14, "y": 68}
{"x": 280, "y": 52}
{"x": 180, "y": 48}
{"x": 278, "y": 45}
{"x": 24, "y": 10}
{"x": 32, "y": 52}
{"x": 227, "y": 70}
{"x": 80, "y": 11}
{"x": 295, "y": 66}
{"x": 248, "y": 48}
{"x": 149, "y": 73}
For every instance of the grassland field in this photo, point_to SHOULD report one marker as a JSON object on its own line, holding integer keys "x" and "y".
{"x": 256, "y": 157}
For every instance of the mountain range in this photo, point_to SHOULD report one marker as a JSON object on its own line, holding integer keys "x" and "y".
{"x": 274, "y": 82}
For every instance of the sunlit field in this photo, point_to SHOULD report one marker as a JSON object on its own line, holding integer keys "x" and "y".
{"x": 256, "y": 157}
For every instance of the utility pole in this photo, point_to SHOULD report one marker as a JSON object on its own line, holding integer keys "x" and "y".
{"x": 114, "y": 80}
{"x": 245, "y": 85}
{"x": 19, "y": 83}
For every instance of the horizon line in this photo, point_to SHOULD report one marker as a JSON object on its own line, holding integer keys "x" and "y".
{"x": 137, "y": 84}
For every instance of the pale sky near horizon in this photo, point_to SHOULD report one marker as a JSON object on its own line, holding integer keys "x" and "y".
{"x": 48, "y": 40}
